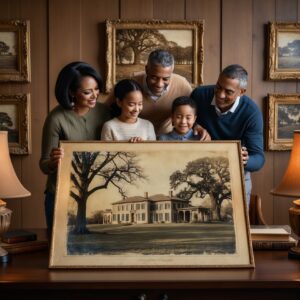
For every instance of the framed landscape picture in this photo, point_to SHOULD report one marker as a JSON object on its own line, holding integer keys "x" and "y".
{"x": 283, "y": 117}
{"x": 14, "y": 51}
{"x": 151, "y": 205}
{"x": 284, "y": 51}
{"x": 15, "y": 119}
{"x": 129, "y": 44}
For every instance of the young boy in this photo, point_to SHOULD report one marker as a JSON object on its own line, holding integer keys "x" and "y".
{"x": 184, "y": 114}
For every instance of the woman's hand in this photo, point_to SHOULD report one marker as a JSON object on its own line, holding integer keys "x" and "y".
{"x": 55, "y": 155}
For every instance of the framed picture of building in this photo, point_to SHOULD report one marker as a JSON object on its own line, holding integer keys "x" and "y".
{"x": 14, "y": 51}
{"x": 15, "y": 119}
{"x": 284, "y": 51}
{"x": 283, "y": 117}
{"x": 151, "y": 205}
{"x": 129, "y": 44}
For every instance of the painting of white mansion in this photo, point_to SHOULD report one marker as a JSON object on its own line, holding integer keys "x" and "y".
{"x": 158, "y": 208}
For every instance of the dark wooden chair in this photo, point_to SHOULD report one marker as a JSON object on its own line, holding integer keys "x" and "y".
{"x": 255, "y": 213}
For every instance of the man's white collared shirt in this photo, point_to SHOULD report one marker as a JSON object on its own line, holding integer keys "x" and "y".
{"x": 231, "y": 110}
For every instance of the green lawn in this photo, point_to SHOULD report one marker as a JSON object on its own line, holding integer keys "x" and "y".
{"x": 154, "y": 239}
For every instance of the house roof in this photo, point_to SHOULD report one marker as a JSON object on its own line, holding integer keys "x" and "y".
{"x": 153, "y": 198}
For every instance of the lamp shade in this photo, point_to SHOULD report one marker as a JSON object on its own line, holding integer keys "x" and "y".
{"x": 10, "y": 186}
{"x": 290, "y": 183}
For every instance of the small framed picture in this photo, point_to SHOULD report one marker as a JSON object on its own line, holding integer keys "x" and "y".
{"x": 14, "y": 51}
{"x": 283, "y": 117}
{"x": 15, "y": 118}
{"x": 284, "y": 51}
{"x": 129, "y": 44}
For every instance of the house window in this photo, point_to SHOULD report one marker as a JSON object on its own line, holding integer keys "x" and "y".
{"x": 167, "y": 218}
{"x": 138, "y": 206}
{"x": 143, "y": 217}
{"x": 143, "y": 206}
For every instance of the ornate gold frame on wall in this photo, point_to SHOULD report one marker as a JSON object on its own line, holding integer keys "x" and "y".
{"x": 17, "y": 107}
{"x": 21, "y": 72}
{"x": 274, "y": 71}
{"x": 278, "y": 126}
{"x": 196, "y": 43}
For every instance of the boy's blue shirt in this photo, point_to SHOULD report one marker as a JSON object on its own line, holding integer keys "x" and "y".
{"x": 173, "y": 135}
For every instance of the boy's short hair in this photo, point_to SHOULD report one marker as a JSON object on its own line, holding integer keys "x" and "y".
{"x": 184, "y": 100}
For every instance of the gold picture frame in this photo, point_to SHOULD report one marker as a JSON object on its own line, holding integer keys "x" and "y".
{"x": 15, "y": 118}
{"x": 282, "y": 119}
{"x": 15, "y": 51}
{"x": 184, "y": 39}
{"x": 283, "y": 60}
{"x": 151, "y": 205}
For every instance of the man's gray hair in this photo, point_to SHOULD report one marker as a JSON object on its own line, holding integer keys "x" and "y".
{"x": 236, "y": 72}
{"x": 161, "y": 57}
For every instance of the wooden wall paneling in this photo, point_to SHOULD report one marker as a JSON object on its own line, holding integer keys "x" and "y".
{"x": 169, "y": 10}
{"x": 136, "y": 9}
{"x": 11, "y": 11}
{"x": 93, "y": 41}
{"x": 64, "y": 38}
{"x": 210, "y": 12}
{"x": 263, "y": 12}
{"x": 33, "y": 208}
{"x": 298, "y": 20}
{"x": 286, "y": 11}
{"x": 26, "y": 166}
{"x": 237, "y": 34}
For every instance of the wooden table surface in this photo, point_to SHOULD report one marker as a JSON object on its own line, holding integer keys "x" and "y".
{"x": 274, "y": 274}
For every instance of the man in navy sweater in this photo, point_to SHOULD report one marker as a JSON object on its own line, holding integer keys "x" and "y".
{"x": 228, "y": 114}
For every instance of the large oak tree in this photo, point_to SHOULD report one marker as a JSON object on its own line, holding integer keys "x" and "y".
{"x": 109, "y": 168}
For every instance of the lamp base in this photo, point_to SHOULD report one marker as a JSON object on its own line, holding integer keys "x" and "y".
{"x": 4, "y": 256}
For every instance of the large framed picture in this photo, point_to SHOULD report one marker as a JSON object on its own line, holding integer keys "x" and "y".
{"x": 14, "y": 51}
{"x": 15, "y": 118}
{"x": 283, "y": 117}
{"x": 284, "y": 49}
{"x": 130, "y": 42}
{"x": 151, "y": 205}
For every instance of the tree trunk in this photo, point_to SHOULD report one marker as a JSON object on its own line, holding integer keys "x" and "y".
{"x": 80, "y": 226}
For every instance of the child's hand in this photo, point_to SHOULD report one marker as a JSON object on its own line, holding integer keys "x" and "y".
{"x": 202, "y": 133}
{"x": 135, "y": 139}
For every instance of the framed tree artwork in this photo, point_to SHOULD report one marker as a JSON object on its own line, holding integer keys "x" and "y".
{"x": 14, "y": 51}
{"x": 283, "y": 117}
{"x": 284, "y": 51}
{"x": 151, "y": 205}
{"x": 15, "y": 119}
{"x": 130, "y": 42}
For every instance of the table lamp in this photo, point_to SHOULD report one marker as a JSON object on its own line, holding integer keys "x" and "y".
{"x": 10, "y": 187}
{"x": 290, "y": 187}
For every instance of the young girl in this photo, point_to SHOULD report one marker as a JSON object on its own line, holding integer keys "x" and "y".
{"x": 128, "y": 126}
{"x": 184, "y": 114}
